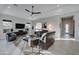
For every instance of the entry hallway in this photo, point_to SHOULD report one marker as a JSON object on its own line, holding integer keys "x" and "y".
{"x": 60, "y": 47}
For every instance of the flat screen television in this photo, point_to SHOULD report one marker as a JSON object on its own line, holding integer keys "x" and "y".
{"x": 19, "y": 26}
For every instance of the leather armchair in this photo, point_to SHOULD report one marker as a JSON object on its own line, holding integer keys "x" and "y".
{"x": 46, "y": 41}
{"x": 49, "y": 40}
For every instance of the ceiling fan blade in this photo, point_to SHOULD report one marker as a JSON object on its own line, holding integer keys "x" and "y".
{"x": 36, "y": 12}
{"x": 27, "y": 10}
{"x": 32, "y": 13}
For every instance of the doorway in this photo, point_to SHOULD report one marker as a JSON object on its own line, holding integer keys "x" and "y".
{"x": 67, "y": 27}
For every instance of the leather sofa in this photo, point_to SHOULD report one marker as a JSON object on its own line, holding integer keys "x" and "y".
{"x": 11, "y": 36}
{"x": 21, "y": 32}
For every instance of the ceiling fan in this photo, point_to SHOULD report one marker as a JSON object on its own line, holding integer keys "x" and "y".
{"x": 32, "y": 12}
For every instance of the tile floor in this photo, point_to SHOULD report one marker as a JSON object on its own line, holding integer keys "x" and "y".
{"x": 20, "y": 47}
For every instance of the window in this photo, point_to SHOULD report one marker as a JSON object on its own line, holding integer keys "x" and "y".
{"x": 67, "y": 28}
{"x": 38, "y": 26}
{"x": 7, "y": 25}
{"x": 50, "y": 27}
{"x": 28, "y": 25}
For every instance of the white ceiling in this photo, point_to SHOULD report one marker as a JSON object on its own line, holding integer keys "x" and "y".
{"x": 46, "y": 9}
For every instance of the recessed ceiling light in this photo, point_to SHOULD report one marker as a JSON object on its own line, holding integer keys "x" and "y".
{"x": 9, "y": 7}
{"x": 58, "y": 5}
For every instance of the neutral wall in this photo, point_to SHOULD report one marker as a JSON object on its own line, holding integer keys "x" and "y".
{"x": 56, "y": 20}
{"x": 14, "y": 20}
